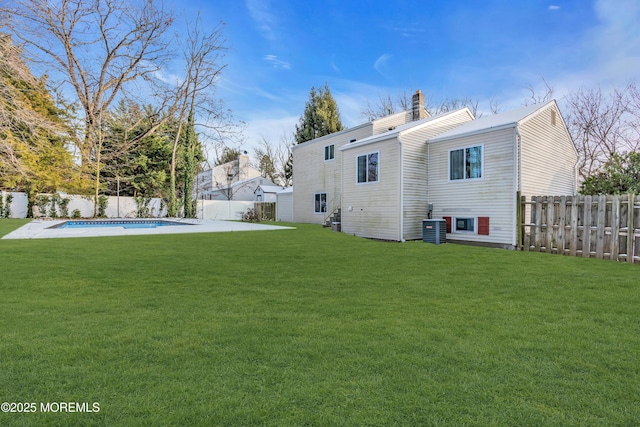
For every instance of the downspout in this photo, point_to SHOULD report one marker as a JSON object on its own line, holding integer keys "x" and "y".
{"x": 517, "y": 175}
{"x": 428, "y": 180}
{"x": 401, "y": 207}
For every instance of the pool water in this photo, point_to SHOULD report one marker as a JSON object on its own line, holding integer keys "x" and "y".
{"x": 117, "y": 224}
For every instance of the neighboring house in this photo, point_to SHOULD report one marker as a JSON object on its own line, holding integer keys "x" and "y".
{"x": 267, "y": 193}
{"x": 469, "y": 170}
{"x": 238, "y": 191}
{"x": 235, "y": 180}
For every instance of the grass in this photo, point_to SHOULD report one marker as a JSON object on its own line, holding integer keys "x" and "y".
{"x": 310, "y": 327}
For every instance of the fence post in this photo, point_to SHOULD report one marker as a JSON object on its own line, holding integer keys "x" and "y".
{"x": 573, "y": 222}
{"x": 615, "y": 227}
{"x": 538, "y": 222}
{"x": 549, "y": 232}
{"x": 602, "y": 207}
{"x": 630, "y": 228}
{"x": 586, "y": 227}
{"x": 562, "y": 230}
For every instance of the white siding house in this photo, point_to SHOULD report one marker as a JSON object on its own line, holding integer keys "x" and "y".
{"x": 384, "y": 175}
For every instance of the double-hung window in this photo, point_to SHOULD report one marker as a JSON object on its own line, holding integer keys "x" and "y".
{"x": 330, "y": 152}
{"x": 320, "y": 202}
{"x": 465, "y": 163}
{"x": 368, "y": 168}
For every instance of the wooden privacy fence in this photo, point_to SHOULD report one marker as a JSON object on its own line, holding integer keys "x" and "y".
{"x": 606, "y": 227}
{"x": 266, "y": 211}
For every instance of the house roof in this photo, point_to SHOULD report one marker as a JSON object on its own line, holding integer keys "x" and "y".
{"x": 362, "y": 125}
{"x": 331, "y": 135}
{"x": 270, "y": 188}
{"x": 504, "y": 120}
{"x": 401, "y": 128}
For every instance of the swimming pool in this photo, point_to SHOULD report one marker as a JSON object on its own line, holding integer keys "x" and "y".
{"x": 119, "y": 223}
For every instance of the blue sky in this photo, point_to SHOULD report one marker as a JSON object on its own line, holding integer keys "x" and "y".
{"x": 490, "y": 49}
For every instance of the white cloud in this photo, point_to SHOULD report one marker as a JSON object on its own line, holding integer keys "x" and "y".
{"x": 262, "y": 16}
{"x": 271, "y": 129}
{"x": 277, "y": 63}
{"x": 616, "y": 41}
{"x": 554, "y": 7}
{"x": 381, "y": 63}
{"x": 334, "y": 67}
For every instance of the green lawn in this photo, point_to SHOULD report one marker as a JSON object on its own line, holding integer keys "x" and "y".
{"x": 311, "y": 327}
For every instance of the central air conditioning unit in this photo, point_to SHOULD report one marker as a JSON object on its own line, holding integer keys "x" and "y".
{"x": 434, "y": 231}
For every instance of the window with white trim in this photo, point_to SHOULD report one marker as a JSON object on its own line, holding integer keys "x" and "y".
{"x": 329, "y": 152}
{"x": 465, "y": 163}
{"x": 320, "y": 203}
{"x": 368, "y": 168}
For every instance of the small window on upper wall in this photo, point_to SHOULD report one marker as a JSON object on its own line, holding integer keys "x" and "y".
{"x": 553, "y": 117}
{"x": 465, "y": 163}
{"x": 368, "y": 168}
{"x": 329, "y": 152}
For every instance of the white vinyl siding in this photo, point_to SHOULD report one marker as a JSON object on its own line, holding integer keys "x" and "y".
{"x": 311, "y": 174}
{"x": 284, "y": 207}
{"x": 372, "y": 210}
{"x": 415, "y": 174}
{"x": 492, "y": 196}
{"x": 384, "y": 124}
{"x": 543, "y": 144}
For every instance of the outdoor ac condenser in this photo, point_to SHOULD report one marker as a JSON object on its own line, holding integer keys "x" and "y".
{"x": 434, "y": 231}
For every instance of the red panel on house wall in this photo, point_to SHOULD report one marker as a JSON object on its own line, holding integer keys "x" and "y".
{"x": 447, "y": 220}
{"x": 483, "y": 225}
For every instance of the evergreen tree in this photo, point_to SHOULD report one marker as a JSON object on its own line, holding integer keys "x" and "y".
{"x": 619, "y": 175}
{"x": 228, "y": 155}
{"x": 140, "y": 169}
{"x": 33, "y": 132}
{"x": 192, "y": 158}
{"x": 321, "y": 116}
{"x": 288, "y": 168}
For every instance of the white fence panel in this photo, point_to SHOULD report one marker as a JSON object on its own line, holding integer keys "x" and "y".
{"x": 222, "y": 209}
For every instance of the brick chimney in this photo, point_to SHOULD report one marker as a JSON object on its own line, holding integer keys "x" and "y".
{"x": 417, "y": 104}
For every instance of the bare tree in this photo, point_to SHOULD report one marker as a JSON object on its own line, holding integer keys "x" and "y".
{"x": 387, "y": 105}
{"x": 271, "y": 160}
{"x": 98, "y": 48}
{"x": 203, "y": 52}
{"x": 534, "y": 95}
{"x": 451, "y": 104}
{"x": 602, "y": 125}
